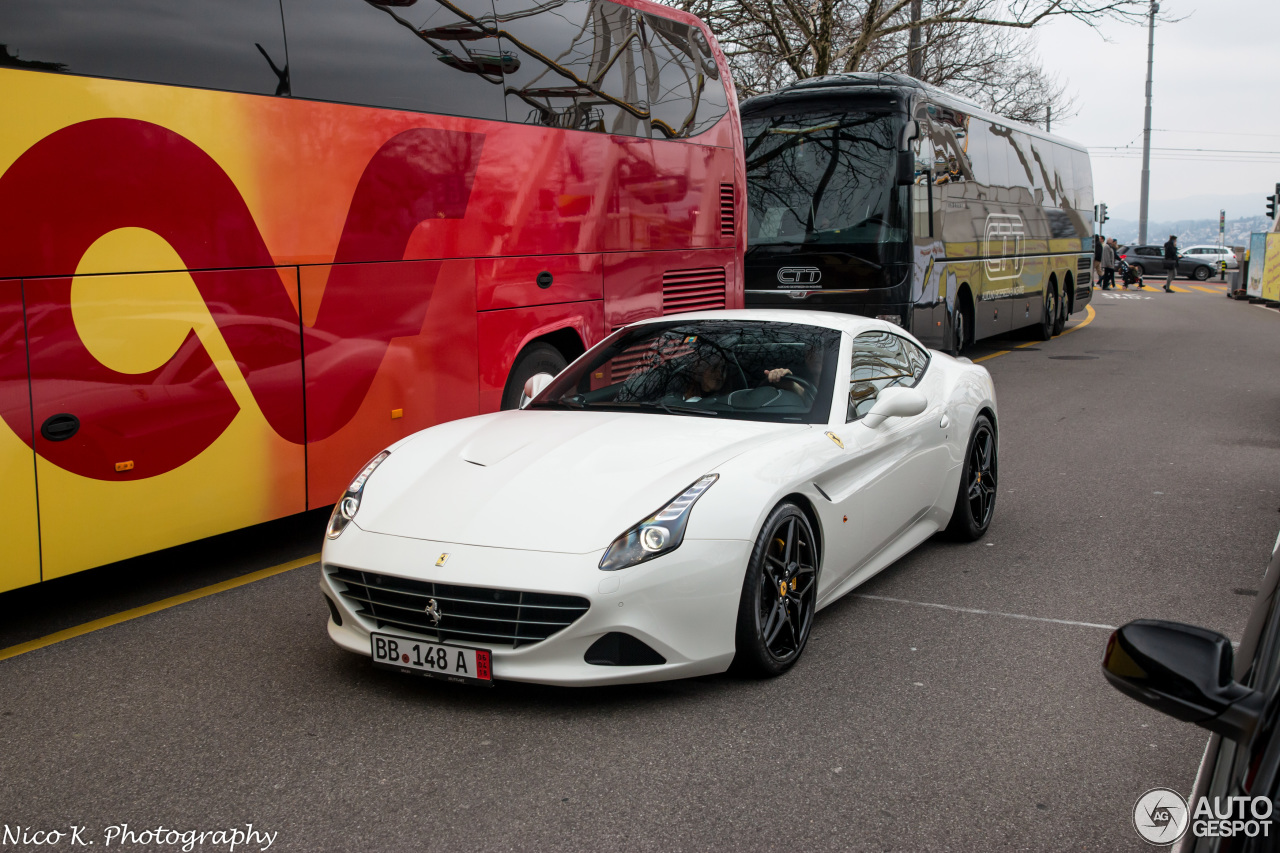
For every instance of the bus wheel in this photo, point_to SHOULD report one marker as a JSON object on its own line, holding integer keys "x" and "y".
{"x": 1048, "y": 315}
{"x": 1064, "y": 312}
{"x": 534, "y": 359}
{"x": 958, "y": 331}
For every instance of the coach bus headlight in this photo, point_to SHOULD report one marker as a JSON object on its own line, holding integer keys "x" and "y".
{"x": 659, "y": 533}
{"x": 345, "y": 510}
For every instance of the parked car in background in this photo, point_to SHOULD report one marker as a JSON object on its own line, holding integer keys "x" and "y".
{"x": 1149, "y": 260}
{"x": 1214, "y": 254}
{"x": 1194, "y": 675}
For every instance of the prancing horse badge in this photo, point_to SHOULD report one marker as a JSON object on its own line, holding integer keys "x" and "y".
{"x": 444, "y": 558}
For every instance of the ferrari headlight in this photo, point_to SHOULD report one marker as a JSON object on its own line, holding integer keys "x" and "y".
{"x": 346, "y": 509}
{"x": 659, "y": 533}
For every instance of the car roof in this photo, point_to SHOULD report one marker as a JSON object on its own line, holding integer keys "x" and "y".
{"x": 851, "y": 323}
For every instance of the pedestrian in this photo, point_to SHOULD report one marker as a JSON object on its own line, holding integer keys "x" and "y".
{"x": 1109, "y": 265}
{"x": 1097, "y": 258}
{"x": 1170, "y": 262}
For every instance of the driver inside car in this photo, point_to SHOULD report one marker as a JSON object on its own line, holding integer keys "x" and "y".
{"x": 785, "y": 379}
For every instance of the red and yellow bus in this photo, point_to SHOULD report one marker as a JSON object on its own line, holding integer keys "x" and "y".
{"x": 246, "y": 243}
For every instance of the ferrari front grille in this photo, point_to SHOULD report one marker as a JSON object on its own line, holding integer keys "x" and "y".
{"x": 461, "y": 614}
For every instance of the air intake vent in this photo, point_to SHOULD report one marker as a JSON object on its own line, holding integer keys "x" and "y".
{"x": 692, "y": 290}
{"x": 1084, "y": 271}
{"x": 726, "y": 209}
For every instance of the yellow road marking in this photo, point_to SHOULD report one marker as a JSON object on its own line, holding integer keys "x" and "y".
{"x": 1089, "y": 314}
{"x": 154, "y": 607}
{"x": 1214, "y": 291}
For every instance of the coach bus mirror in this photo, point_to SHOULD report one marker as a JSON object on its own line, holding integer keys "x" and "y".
{"x": 895, "y": 403}
{"x": 1182, "y": 671}
{"x": 906, "y": 168}
{"x": 533, "y": 386}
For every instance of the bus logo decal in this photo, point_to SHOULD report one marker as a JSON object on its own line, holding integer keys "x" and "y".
{"x": 1003, "y": 246}
{"x": 90, "y": 178}
{"x": 799, "y": 275}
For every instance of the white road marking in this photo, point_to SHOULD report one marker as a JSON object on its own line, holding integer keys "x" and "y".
{"x": 982, "y": 612}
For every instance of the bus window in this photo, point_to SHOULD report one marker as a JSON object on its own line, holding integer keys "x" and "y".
{"x": 571, "y": 69}
{"x": 1042, "y": 155}
{"x": 1064, "y": 177}
{"x": 999, "y": 152}
{"x": 422, "y": 57}
{"x": 1084, "y": 180}
{"x": 977, "y": 143}
{"x": 687, "y": 92}
{"x": 236, "y": 45}
{"x": 826, "y": 178}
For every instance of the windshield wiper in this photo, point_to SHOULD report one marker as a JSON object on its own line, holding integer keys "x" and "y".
{"x": 679, "y": 410}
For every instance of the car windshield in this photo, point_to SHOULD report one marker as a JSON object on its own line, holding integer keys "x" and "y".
{"x": 746, "y": 370}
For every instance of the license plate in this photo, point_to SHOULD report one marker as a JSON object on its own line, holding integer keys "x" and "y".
{"x": 455, "y": 663}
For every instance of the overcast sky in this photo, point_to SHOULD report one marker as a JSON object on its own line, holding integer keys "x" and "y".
{"x": 1216, "y": 86}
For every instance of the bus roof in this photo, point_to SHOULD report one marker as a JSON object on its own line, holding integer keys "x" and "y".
{"x": 856, "y": 83}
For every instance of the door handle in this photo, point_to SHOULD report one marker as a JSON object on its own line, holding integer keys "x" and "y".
{"x": 60, "y": 427}
{"x": 945, "y": 422}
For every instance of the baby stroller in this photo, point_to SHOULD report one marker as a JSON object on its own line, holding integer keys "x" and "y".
{"x": 1128, "y": 275}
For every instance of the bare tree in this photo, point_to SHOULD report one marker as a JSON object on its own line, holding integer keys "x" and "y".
{"x": 979, "y": 48}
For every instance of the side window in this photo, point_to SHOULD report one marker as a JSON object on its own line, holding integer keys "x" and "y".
{"x": 575, "y": 67}
{"x": 917, "y": 357}
{"x": 688, "y": 96}
{"x": 977, "y": 144}
{"x": 880, "y": 360}
{"x": 999, "y": 152}
{"x": 232, "y": 45}
{"x": 422, "y": 57}
{"x": 1083, "y": 173}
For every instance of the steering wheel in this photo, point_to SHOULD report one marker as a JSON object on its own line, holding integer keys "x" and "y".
{"x": 807, "y": 389}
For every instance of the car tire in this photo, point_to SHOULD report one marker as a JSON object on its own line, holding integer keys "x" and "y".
{"x": 976, "y": 496}
{"x": 1138, "y": 269}
{"x": 532, "y": 360}
{"x": 779, "y": 595}
{"x": 1201, "y": 273}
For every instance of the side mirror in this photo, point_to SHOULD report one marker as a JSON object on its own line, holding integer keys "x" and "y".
{"x": 534, "y": 385}
{"x": 895, "y": 403}
{"x": 906, "y": 168}
{"x": 1182, "y": 671}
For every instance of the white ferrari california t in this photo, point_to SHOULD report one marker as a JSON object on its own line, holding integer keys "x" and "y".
{"x": 684, "y": 496}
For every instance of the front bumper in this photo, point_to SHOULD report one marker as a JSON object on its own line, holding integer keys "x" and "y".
{"x": 684, "y": 604}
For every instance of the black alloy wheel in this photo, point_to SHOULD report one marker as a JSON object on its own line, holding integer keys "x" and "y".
{"x": 976, "y": 497}
{"x": 779, "y": 594}
{"x": 1202, "y": 273}
{"x": 1138, "y": 270}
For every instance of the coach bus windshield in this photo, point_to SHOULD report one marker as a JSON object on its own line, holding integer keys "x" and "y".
{"x": 824, "y": 179}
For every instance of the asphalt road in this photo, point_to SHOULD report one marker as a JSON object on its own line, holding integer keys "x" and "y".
{"x": 1139, "y": 479}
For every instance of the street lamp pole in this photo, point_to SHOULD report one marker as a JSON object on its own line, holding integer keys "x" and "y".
{"x": 1146, "y": 127}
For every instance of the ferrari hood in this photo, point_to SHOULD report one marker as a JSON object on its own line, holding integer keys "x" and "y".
{"x": 565, "y": 481}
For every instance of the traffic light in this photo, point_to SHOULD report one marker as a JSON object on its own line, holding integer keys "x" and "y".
{"x": 1272, "y": 201}
{"x": 1102, "y": 214}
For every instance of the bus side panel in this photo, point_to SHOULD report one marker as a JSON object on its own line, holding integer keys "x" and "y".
{"x": 181, "y": 391}
{"x": 502, "y": 334}
{"x": 638, "y": 285}
{"x": 392, "y": 351}
{"x": 21, "y": 563}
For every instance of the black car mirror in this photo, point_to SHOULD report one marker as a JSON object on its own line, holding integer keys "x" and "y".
{"x": 1182, "y": 671}
{"x": 906, "y": 168}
